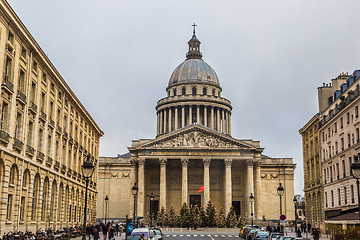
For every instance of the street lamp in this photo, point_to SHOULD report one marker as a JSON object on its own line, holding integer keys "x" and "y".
{"x": 251, "y": 199}
{"x": 151, "y": 207}
{"x": 280, "y": 192}
{"x": 355, "y": 172}
{"x": 106, "y": 205}
{"x": 87, "y": 170}
{"x": 134, "y": 192}
{"x": 295, "y": 203}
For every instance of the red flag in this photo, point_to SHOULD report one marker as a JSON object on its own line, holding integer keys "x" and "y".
{"x": 201, "y": 189}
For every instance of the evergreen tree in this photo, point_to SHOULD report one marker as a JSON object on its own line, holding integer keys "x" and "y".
{"x": 210, "y": 214}
{"x": 161, "y": 217}
{"x": 184, "y": 218}
{"x": 202, "y": 217}
{"x": 195, "y": 216}
{"x": 231, "y": 219}
{"x": 172, "y": 218}
{"x": 221, "y": 220}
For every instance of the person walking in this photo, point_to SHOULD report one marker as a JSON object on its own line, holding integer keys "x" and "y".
{"x": 96, "y": 234}
{"x": 104, "y": 230}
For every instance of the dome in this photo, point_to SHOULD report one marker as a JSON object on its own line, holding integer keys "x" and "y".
{"x": 194, "y": 70}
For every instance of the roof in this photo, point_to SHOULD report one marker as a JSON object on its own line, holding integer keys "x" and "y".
{"x": 345, "y": 217}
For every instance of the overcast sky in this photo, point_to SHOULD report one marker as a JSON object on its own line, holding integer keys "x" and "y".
{"x": 270, "y": 57}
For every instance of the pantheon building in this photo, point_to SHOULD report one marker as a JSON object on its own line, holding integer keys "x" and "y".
{"x": 193, "y": 147}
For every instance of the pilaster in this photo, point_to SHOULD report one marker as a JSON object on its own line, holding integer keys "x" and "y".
{"x": 206, "y": 163}
{"x": 184, "y": 182}
{"x": 228, "y": 185}
{"x": 141, "y": 191}
{"x": 162, "y": 202}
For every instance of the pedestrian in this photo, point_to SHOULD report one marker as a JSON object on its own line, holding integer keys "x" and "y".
{"x": 104, "y": 230}
{"x": 278, "y": 228}
{"x": 309, "y": 227}
{"x": 96, "y": 234}
{"x": 298, "y": 233}
{"x": 268, "y": 228}
{"x": 142, "y": 236}
{"x": 88, "y": 230}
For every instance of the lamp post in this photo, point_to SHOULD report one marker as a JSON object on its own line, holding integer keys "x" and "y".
{"x": 134, "y": 192}
{"x": 106, "y": 205}
{"x": 151, "y": 207}
{"x": 280, "y": 192}
{"x": 251, "y": 199}
{"x": 87, "y": 170}
{"x": 355, "y": 172}
{"x": 295, "y": 203}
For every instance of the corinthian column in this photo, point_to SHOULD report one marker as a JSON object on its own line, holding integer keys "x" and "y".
{"x": 229, "y": 123}
{"x": 165, "y": 121}
{"x": 184, "y": 182}
{"x": 250, "y": 182}
{"x": 182, "y": 116}
{"x": 176, "y": 118}
{"x": 228, "y": 185}
{"x": 223, "y": 130}
{"x": 206, "y": 163}
{"x": 161, "y": 122}
{"x": 218, "y": 127}
{"x": 257, "y": 193}
{"x": 198, "y": 114}
{"x": 212, "y": 118}
{"x": 190, "y": 115}
{"x": 163, "y": 162}
{"x": 170, "y": 119}
{"x": 205, "y": 116}
{"x": 141, "y": 183}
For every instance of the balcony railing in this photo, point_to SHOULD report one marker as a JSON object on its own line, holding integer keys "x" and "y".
{"x": 65, "y": 135}
{"x": 51, "y": 123}
{"x": 49, "y": 160}
{"x": 21, "y": 97}
{"x": 57, "y": 164}
{"x": 69, "y": 171}
{"x": 63, "y": 168}
{"x": 30, "y": 150}
{"x": 71, "y": 140}
{"x": 81, "y": 148}
{"x": 42, "y": 115}
{"x": 76, "y": 144}
{"x": 4, "y": 136}
{"x": 9, "y": 86}
{"x": 40, "y": 156}
{"x": 18, "y": 144}
{"x": 33, "y": 107}
{"x": 58, "y": 129}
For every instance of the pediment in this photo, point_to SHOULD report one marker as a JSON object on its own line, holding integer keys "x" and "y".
{"x": 195, "y": 137}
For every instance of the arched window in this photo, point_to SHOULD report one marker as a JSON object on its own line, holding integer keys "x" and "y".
{"x": 25, "y": 178}
{"x": 175, "y": 92}
{"x": 35, "y": 197}
{"x": 204, "y": 91}
{"x": 194, "y": 91}
{"x": 53, "y": 197}
{"x": 213, "y": 92}
{"x": 183, "y": 91}
{"x": 44, "y": 199}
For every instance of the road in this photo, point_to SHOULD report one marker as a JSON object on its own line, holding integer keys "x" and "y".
{"x": 201, "y": 234}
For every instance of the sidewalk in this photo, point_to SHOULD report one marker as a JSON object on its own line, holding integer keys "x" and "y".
{"x": 304, "y": 235}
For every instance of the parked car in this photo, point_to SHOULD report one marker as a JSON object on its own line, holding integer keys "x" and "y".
{"x": 250, "y": 233}
{"x": 157, "y": 234}
{"x": 146, "y": 231}
{"x": 275, "y": 235}
{"x": 260, "y": 235}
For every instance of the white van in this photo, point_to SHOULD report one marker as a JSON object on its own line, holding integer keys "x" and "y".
{"x": 146, "y": 231}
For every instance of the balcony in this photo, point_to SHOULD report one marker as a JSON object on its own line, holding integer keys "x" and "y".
{"x": 63, "y": 168}
{"x": 40, "y": 156}
{"x": 85, "y": 151}
{"x": 76, "y": 144}
{"x": 21, "y": 97}
{"x": 51, "y": 123}
{"x": 79, "y": 175}
{"x": 69, "y": 171}
{"x": 43, "y": 115}
{"x": 65, "y": 135}
{"x": 4, "y": 136}
{"x": 7, "y": 85}
{"x": 30, "y": 150}
{"x": 33, "y": 107}
{"x": 18, "y": 144}
{"x": 58, "y": 129}
{"x": 49, "y": 161}
{"x": 57, "y": 164}
{"x": 81, "y": 148}
{"x": 71, "y": 140}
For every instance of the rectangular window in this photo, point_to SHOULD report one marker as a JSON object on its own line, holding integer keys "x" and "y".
{"x": 35, "y": 66}
{"x": 40, "y": 143}
{"x": 49, "y": 146}
{"x": 323, "y": 136}
{"x": 18, "y": 126}
{"x": 356, "y": 112}
{"x": 335, "y": 127}
{"x": 51, "y": 110}
{"x": 332, "y": 198}
{"x": 331, "y": 174}
{"x": 23, "y": 52}
{"x": 9, "y": 207}
{"x": 349, "y": 140}
{"x": 357, "y": 135}
{"x": 30, "y": 134}
{"x": 336, "y": 148}
{"x": 7, "y": 75}
{"x": 326, "y": 200}
{"x": 10, "y": 37}
{"x": 57, "y": 150}
{"x": 341, "y": 123}
{"x": 352, "y": 194}
{"x": 343, "y": 167}
{"x": 342, "y": 144}
{"x": 22, "y": 208}
{"x": 325, "y": 176}
{"x": 32, "y": 92}
{"x": 22, "y": 81}
{"x": 345, "y": 195}
{"x": 339, "y": 196}
{"x": 338, "y": 171}
{"x": 347, "y": 118}
{"x": 42, "y": 103}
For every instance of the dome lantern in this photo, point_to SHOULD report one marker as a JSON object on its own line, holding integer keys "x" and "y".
{"x": 194, "y": 47}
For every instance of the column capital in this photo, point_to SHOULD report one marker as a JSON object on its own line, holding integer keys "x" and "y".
{"x": 228, "y": 162}
{"x": 163, "y": 161}
{"x": 206, "y": 162}
{"x": 250, "y": 162}
{"x": 185, "y": 162}
{"x": 133, "y": 162}
{"x": 141, "y": 161}
{"x": 257, "y": 163}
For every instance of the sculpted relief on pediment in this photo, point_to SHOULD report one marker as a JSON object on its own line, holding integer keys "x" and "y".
{"x": 195, "y": 139}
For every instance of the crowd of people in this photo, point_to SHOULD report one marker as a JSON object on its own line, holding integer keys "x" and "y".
{"x": 109, "y": 230}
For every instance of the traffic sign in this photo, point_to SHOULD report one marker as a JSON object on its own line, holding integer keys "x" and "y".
{"x": 252, "y": 214}
{"x": 282, "y": 217}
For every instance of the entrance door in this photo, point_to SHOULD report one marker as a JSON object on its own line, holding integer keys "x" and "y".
{"x": 195, "y": 200}
{"x": 236, "y": 205}
{"x": 155, "y": 207}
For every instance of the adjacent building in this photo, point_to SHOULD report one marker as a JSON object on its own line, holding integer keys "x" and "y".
{"x": 45, "y": 135}
{"x": 194, "y": 147}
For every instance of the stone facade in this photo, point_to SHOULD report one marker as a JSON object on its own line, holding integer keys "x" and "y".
{"x": 45, "y": 135}
{"x": 312, "y": 172}
{"x": 340, "y": 142}
{"x": 194, "y": 148}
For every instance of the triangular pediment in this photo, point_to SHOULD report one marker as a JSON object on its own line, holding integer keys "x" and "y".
{"x": 196, "y": 136}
